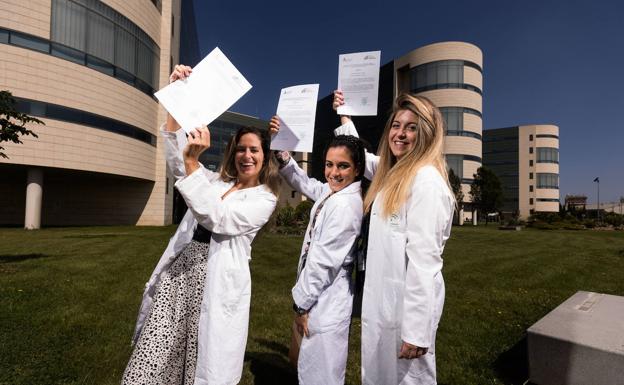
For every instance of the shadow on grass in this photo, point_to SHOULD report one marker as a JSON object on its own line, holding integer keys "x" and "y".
{"x": 271, "y": 368}
{"x": 512, "y": 366}
{"x": 12, "y": 258}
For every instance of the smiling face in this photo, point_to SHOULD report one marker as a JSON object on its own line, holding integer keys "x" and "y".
{"x": 248, "y": 157}
{"x": 339, "y": 168}
{"x": 402, "y": 134}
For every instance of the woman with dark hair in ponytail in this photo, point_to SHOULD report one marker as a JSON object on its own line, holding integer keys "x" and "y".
{"x": 322, "y": 294}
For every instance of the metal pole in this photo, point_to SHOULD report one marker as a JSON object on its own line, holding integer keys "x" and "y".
{"x": 598, "y": 200}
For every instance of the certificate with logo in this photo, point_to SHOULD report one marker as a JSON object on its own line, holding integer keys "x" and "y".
{"x": 296, "y": 111}
{"x": 213, "y": 86}
{"x": 358, "y": 79}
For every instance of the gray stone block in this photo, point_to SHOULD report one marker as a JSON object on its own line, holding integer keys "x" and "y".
{"x": 579, "y": 342}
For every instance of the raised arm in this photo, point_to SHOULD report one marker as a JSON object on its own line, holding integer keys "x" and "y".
{"x": 292, "y": 173}
{"x": 348, "y": 128}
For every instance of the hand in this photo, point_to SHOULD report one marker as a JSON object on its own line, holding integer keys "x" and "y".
{"x": 302, "y": 324}
{"x": 274, "y": 125}
{"x": 180, "y": 71}
{"x": 198, "y": 142}
{"x": 409, "y": 351}
{"x": 338, "y": 100}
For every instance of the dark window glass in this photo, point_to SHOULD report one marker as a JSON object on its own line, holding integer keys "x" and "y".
{"x": 72, "y": 115}
{"x": 100, "y": 65}
{"x": 4, "y": 36}
{"x": 531, "y": 188}
{"x": 456, "y": 163}
{"x": 530, "y": 175}
{"x": 547, "y": 180}
{"x": 31, "y": 42}
{"x": 124, "y": 76}
{"x": 530, "y": 150}
{"x": 547, "y": 136}
{"x": 530, "y": 162}
{"x": 530, "y": 201}
{"x": 547, "y": 155}
{"x": 68, "y": 53}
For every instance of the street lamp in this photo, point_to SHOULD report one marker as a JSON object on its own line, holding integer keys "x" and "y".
{"x": 597, "y": 180}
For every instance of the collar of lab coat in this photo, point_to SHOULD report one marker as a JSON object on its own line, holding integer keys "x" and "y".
{"x": 354, "y": 187}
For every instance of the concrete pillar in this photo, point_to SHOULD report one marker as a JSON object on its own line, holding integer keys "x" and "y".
{"x": 34, "y": 194}
{"x": 474, "y": 217}
{"x": 461, "y": 217}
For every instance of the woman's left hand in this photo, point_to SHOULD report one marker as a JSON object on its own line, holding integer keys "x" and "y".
{"x": 302, "y": 324}
{"x": 409, "y": 351}
{"x": 198, "y": 142}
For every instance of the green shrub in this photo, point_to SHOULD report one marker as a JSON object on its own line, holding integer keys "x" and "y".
{"x": 302, "y": 211}
{"x": 286, "y": 216}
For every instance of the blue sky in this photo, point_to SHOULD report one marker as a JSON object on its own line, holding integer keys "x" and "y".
{"x": 545, "y": 62}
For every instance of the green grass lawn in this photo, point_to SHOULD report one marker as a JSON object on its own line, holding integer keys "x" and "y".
{"x": 69, "y": 297}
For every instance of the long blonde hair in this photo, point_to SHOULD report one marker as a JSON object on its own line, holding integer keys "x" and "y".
{"x": 394, "y": 177}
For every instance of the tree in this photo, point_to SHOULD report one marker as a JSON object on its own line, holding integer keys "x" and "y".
{"x": 486, "y": 192}
{"x": 12, "y": 122}
{"x": 455, "y": 183}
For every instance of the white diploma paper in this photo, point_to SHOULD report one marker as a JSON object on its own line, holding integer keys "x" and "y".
{"x": 358, "y": 79}
{"x": 213, "y": 86}
{"x": 296, "y": 110}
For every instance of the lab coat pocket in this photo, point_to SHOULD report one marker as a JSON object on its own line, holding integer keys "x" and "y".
{"x": 235, "y": 283}
{"x": 392, "y": 303}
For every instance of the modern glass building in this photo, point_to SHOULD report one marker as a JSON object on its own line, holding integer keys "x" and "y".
{"x": 526, "y": 160}
{"x": 88, "y": 69}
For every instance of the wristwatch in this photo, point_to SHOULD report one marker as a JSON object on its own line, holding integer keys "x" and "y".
{"x": 299, "y": 310}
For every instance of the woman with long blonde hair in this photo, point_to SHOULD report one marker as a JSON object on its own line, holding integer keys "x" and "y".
{"x": 411, "y": 206}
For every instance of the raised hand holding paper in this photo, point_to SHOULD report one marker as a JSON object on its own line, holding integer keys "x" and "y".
{"x": 296, "y": 110}
{"x": 358, "y": 79}
{"x": 213, "y": 86}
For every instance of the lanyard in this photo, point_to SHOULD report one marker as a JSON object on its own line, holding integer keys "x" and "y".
{"x": 304, "y": 257}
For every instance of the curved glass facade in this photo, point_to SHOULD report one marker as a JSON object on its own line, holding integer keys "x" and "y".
{"x": 547, "y": 155}
{"x": 547, "y": 180}
{"x": 112, "y": 43}
{"x": 73, "y": 115}
{"x": 454, "y": 121}
{"x": 441, "y": 74}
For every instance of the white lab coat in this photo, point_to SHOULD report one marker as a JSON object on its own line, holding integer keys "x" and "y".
{"x": 404, "y": 289}
{"x": 324, "y": 284}
{"x": 234, "y": 222}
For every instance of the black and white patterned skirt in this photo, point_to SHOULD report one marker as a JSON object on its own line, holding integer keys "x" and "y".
{"x": 166, "y": 352}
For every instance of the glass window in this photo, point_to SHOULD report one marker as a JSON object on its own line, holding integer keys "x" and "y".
{"x": 530, "y": 150}
{"x": 4, "y": 36}
{"x": 69, "y": 24}
{"x": 531, "y": 188}
{"x": 530, "y": 162}
{"x": 100, "y": 37}
{"x": 530, "y": 201}
{"x": 530, "y": 175}
{"x": 547, "y": 180}
{"x": 456, "y": 163}
{"x": 68, "y": 53}
{"x": 95, "y": 28}
{"x": 547, "y": 155}
{"x": 30, "y": 42}
{"x": 100, "y": 65}
{"x": 530, "y": 138}
{"x": 125, "y": 50}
